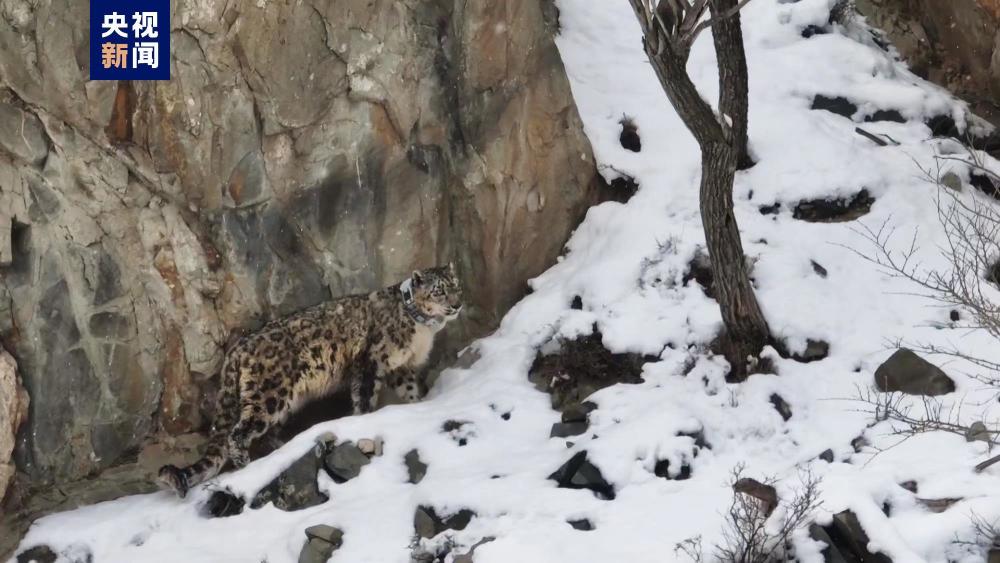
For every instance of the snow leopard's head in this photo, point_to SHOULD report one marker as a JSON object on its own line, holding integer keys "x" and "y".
{"x": 437, "y": 292}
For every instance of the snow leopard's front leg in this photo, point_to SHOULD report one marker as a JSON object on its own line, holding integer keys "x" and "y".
{"x": 408, "y": 384}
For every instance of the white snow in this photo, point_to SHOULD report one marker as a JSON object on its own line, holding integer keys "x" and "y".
{"x": 626, "y": 263}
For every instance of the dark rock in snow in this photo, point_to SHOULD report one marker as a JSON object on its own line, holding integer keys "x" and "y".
{"x": 415, "y": 468}
{"x": 782, "y": 406}
{"x": 428, "y": 524}
{"x": 834, "y": 210}
{"x": 943, "y": 126}
{"x": 583, "y": 524}
{"x": 579, "y": 473}
{"x": 629, "y": 137}
{"x": 772, "y": 209}
{"x": 295, "y": 488}
{"x": 909, "y": 486}
{"x": 662, "y": 470}
{"x": 846, "y": 540}
{"x": 223, "y": 504}
{"x": 321, "y": 542}
{"x": 620, "y": 188}
{"x": 985, "y": 184}
{"x": 886, "y": 115}
{"x": 567, "y": 429}
{"x": 581, "y": 367}
{"x": 811, "y": 30}
{"x": 700, "y": 270}
{"x": 344, "y": 462}
{"x": 578, "y": 413}
{"x": 765, "y": 494}
{"x": 820, "y": 270}
{"x": 993, "y": 275}
{"x": 815, "y": 350}
{"x": 837, "y": 105}
{"x": 954, "y": 316}
{"x": 827, "y": 456}
{"x": 908, "y": 373}
{"x": 577, "y": 303}
{"x": 37, "y": 554}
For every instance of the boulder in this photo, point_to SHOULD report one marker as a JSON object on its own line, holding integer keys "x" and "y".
{"x": 908, "y": 373}
{"x": 834, "y": 210}
{"x": 427, "y": 523}
{"x": 846, "y": 541}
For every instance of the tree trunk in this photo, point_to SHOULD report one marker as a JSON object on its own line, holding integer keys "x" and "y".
{"x": 723, "y": 150}
{"x": 746, "y": 328}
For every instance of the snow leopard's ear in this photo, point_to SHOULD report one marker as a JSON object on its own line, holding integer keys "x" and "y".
{"x": 416, "y": 278}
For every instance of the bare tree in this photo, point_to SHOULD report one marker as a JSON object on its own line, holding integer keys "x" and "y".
{"x": 669, "y": 29}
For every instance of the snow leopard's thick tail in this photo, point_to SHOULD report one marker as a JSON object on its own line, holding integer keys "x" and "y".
{"x": 181, "y": 479}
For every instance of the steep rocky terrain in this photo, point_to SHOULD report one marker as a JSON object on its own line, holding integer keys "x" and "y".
{"x": 301, "y": 150}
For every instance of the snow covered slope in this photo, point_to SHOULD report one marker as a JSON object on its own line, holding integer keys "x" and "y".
{"x": 626, "y": 263}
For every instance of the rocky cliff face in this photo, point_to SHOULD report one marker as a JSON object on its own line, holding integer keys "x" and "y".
{"x": 302, "y": 150}
{"x": 955, "y": 44}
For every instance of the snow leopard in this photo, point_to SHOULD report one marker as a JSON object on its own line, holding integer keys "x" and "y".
{"x": 361, "y": 342}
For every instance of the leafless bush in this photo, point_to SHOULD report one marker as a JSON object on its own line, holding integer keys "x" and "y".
{"x": 756, "y": 529}
{"x": 935, "y": 415}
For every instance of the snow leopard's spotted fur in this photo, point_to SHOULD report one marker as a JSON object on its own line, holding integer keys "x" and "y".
{"x": 363, "y": 341}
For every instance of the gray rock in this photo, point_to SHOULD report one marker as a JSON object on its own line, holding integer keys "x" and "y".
{"x": 782, "y": 406}
{"x": 827, "y": 456}
{"x": 580, "y": 473}
{"x": 415, "y": 468}
{"x": 296, "y": 487}
{"x": 567, "y": 429}
{"x": 978, "y": 431}
{"x": 849, "y": 540}
{"x": 579, "y": 412}
{"x": 321, "y": 542}
{"x": 951, "y": 181}
{"x": 37, "y": 554}
{"x": 345, "y": 462}
{"x": 908, "y": 373}
{"x": 427, "y": 523}
{"x": 583, "y": 524}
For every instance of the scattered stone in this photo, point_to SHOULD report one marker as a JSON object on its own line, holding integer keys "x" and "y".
{"x": 772, "y": 209}
{"x": 815, "y": 351}
{"x": 859, "y": 444}
{"x": 223, "y": 504}
{"x": 577, "y": 303}
{"x": 579, "y": 412}
{"x": 951, "y": 181}
{"x": 345, "y": 461}
{"x": 629, "y": 137}
{"x": 37, "y": 554}
{"x": 847, "y": 537}
{"x": 820, "y": 270}
{"x": 827, "y": 456}
{"x": 831, "y": 554}
{"x": 837, "y": 105}
{"x": 662, "y": 470}
{"x": 886, "y": 115}
{"x": 766, "y": 494}
{"x": 428, "y": 524}
{"x": 582, "y": 524}
{"x": 460, "y": 430}
{"x": 370, "y": 447}
{"x": 782, "y": 406}
{"x": 908, "y": 373}
{"x": 321, "y": 542}
{"x": 619, "y": 189}
{"x": 978, "y": 432}
{"x": 296, "y": 487}
{"x": 811, "y": 30}
{"x": 943, "y": 126}
{"x": 567, "y": 429}
{"x": 954, "y": 316}
{"x": 834, "y": 210}
{"x": 415, "y": 468}
{"x": 909, "y": 486}
{"x": 579, "y": 473}
{"x": 938, "y": 505}
{"x": 581, "y": 367}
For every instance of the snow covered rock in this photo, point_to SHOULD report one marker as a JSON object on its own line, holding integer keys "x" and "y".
{"x": 321, "y": 542}
{"x": 37, "y": 554}
{"x": 834, "y": 210}
{"x": 295, "y": 488}
{"x": 846, "y": 541}
{"x": 345, "y": 461}
{"x": 908, "y": 373}
{"x": 415, "y": 468}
